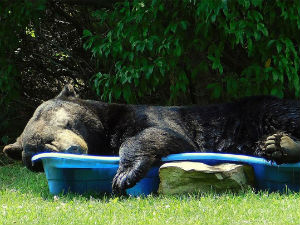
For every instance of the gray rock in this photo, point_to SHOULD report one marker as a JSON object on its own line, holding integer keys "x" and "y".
{"x": 189, "y": 177}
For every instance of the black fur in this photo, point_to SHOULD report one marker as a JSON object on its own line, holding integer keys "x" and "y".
{"x": 141, "y": 134}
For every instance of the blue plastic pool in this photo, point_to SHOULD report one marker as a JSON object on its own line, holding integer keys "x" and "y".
{"x": 85, "y": 173}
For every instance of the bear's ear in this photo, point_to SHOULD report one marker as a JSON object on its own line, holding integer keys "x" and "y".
{"x": 68, "y": 91}
{"x": 13, "y": 151}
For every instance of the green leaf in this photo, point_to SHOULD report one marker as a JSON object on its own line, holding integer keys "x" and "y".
{"x": 216, "y": 90}
{"x": 270, "y": 43}
{"x": 277, "y": 91}
{"x": 149, "y": 71}
{"x": 257, "y": 36}
{"x": 184, "y": 24}
{"x": 257, "y": 2}
{"x": 130, "y": 56}
{"x": 140, "y": 47}
{"x": 278, "y": 47}
{"x": 150, "y": 45}
{"x": 275, "y": 75}
{"x": 87, "y": 33}
{"x": 117, "y": 92}
{"x": 161, "y": 7}
{"x": 261, "y": 27}
{"x": 250, "y": 47}
{"x": 178, "y": 50}
{"x": 127, "y": 93}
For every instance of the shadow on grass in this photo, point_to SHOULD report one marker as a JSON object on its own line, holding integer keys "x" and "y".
{"x": 4, "y": 160}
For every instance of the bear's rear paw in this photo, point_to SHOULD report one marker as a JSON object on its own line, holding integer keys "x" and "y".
{"x": 280, "y": 148}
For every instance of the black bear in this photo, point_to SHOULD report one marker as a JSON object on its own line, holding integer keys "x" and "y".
{"x": 141, "y": 135}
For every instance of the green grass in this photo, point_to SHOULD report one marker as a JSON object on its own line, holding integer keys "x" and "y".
{"x": 25, "y": 199}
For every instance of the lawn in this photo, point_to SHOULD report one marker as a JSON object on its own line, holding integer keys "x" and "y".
{"x": 25, "y": 199}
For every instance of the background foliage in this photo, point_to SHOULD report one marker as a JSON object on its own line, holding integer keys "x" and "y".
{"x": 240, "y": 47}
{"x": 40, "y": 51}
{"x": 145, "y": 51}
{"x": 14, "y": 20}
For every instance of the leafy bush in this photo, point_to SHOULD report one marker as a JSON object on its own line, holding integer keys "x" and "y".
{"x": 237, "y": 48}
{"x": 15, "y": 17}
{"x": 40, "y": 51}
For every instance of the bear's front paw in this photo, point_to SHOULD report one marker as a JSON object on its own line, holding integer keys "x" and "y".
{"x": 281, "y": 149}
{"x": 126, "y": 178}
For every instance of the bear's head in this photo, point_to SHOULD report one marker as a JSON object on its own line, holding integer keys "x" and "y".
{"x": 62, "y": 124}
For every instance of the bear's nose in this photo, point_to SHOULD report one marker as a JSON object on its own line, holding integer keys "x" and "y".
{"x": 75, "y": 149}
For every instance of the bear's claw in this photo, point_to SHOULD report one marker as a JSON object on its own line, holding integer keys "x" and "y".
{"x": 119, "y": 183}
{"x": 123, "y": 179}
